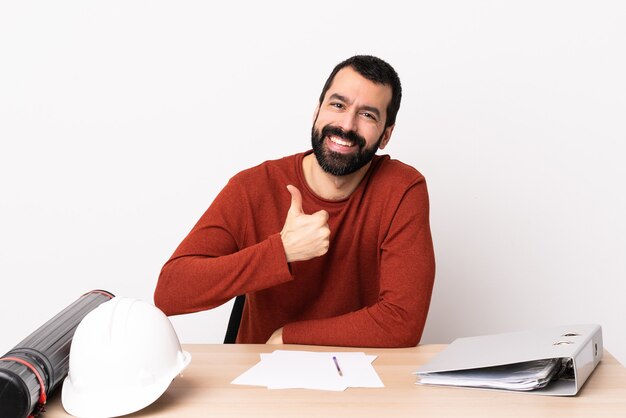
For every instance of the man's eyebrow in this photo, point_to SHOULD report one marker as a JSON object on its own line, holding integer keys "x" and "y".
{"x": 370, "y": 109}
{"x": 339, "y": 97}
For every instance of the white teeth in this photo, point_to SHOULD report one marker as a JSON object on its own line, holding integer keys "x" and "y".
{"x": 340, "y": 141}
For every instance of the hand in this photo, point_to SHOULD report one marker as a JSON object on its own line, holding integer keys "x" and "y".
{"x": 277, "y": 337}
{"x": 304, "y": 236}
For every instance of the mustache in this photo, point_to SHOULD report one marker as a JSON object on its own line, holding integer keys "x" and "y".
{"x": 349, "y": 135}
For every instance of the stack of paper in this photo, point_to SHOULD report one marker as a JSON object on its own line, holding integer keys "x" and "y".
{"x": 528, "y": 375}
{"x": 312, "y": 370}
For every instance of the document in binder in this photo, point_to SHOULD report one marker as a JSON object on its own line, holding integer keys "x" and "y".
{"x": 550, "y": 361}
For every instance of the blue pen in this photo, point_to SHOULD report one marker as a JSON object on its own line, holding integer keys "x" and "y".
{"x": 337, "y": 366}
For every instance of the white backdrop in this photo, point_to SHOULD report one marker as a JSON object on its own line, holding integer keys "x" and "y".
{"x": 121, "y": 121}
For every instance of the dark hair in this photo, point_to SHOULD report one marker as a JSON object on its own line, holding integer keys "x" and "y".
{"x": 376, "y": 70}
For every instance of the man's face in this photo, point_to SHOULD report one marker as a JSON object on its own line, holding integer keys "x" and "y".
{"x": 350, "y": 123}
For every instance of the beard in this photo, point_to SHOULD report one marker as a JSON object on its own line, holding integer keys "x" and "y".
{"x": 336, "y": 163}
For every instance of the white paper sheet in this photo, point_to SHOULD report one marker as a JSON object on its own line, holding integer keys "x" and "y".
{"x": 284, "y": 369}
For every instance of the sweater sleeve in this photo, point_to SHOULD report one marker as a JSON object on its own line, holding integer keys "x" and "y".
{"x": 407, "y": 271}
{"x": 211, "y": 265}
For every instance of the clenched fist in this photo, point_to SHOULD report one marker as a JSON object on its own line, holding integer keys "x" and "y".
{"x": 304, "y": 236}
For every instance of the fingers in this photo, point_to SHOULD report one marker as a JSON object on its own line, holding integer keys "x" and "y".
{"x": 296, "y": 200}
{"x": 322, "y": 215}
{"x": 304, "y": 236}
{"x": 296, "y": 204}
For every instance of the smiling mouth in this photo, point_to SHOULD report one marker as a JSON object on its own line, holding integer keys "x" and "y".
{"x": 340, "y": 141}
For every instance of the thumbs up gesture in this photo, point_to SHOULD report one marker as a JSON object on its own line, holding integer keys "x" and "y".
{"x": 304, "y": 236}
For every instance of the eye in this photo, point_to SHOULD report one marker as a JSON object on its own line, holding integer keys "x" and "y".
{"x": 368, "y": 115}
{"x": 337, "y": 105}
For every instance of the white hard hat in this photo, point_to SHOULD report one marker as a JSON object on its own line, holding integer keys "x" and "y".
{"x": 124, "y": 355}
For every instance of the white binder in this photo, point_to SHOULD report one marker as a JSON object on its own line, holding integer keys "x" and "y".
{"x": 582, "y": 344}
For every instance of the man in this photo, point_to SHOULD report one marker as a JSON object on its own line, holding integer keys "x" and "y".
{"x": 347, "y": 260}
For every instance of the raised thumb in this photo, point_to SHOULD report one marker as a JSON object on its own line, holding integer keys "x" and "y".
{"x": 296, "y": 200}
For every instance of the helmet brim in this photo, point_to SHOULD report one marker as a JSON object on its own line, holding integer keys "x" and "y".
{"x": 115, "y": 400}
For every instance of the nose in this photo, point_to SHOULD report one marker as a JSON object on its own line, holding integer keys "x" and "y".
{"x": 348, "y": 122}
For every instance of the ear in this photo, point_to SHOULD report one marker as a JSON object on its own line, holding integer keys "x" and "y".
{"x": 386, "y": 136}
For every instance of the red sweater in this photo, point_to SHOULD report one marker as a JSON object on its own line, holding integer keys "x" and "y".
{"x": 371, "y": 289}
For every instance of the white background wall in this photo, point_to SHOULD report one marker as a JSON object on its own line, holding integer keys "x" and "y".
{"x": 121, "y": 121}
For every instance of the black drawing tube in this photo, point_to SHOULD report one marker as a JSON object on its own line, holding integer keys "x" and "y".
{"x": 37, "y": 366}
